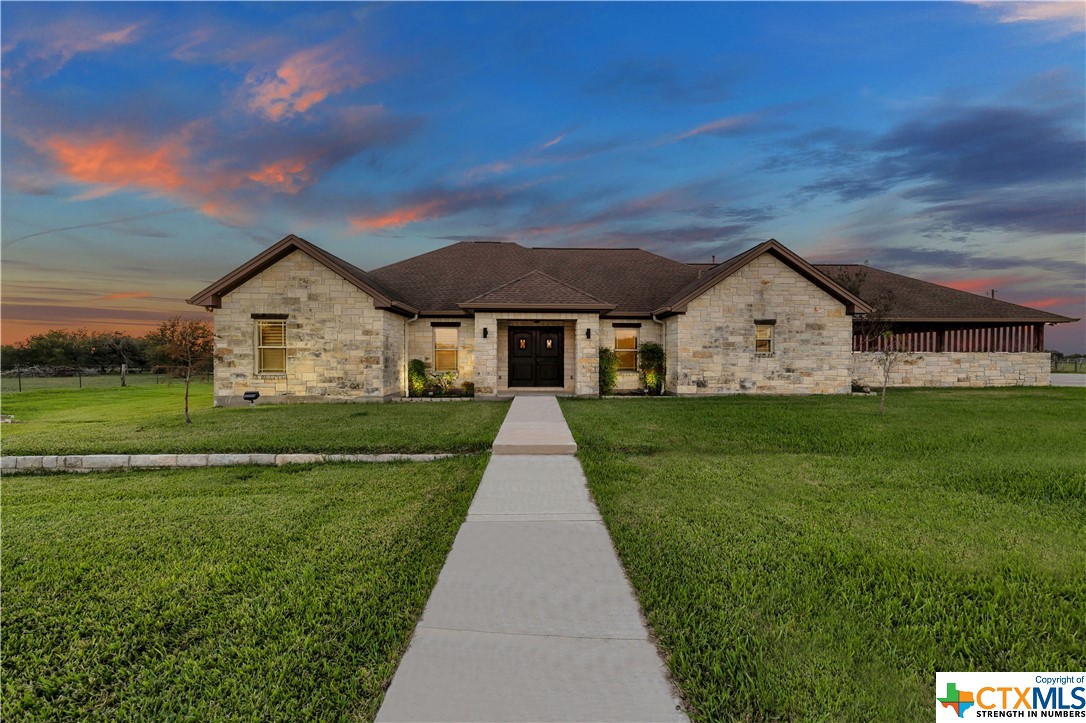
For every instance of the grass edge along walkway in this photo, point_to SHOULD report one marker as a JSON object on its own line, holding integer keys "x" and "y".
{"x": 97, "y": 462}
{"x": 800, "y": 557}
{"x": 229, "y": 593}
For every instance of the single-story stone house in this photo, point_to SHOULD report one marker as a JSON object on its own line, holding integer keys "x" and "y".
{"x": 299, "y": 324}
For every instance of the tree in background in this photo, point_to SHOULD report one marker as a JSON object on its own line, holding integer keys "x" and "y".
{"x": 117, "y": 349}
{"x": 185, "y": 348}
{"x": 54, "y": 348}
{"x": 13, "y": 356}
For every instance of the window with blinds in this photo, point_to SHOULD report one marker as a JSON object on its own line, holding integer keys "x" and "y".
{"x": 445, "y": 351}
{"x": 626, "y": 349}
{"x": 763, "y": 338}
{"x": 271, "y": 347}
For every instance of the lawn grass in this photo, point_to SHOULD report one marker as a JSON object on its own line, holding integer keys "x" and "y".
{"x": 148, "y": 419}
{"x": 242, "y": 593}
{"x": 806, "y": 559}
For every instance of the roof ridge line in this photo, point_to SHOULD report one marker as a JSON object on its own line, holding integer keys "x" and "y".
{"x": 544, "y": 274}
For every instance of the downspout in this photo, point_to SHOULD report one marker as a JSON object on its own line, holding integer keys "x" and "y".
{"x": 663, "y": 338}
{"x": 406, "y": 323}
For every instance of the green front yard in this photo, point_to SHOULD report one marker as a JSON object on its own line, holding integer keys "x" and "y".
{"x": 805, "y": 559}
{"x": 220, "y": 594}
{"x": 147, "y": 419}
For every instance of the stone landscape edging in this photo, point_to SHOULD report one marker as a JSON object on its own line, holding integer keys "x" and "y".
{"x": 95, "y": 462}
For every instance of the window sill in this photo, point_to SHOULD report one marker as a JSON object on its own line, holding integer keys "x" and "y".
{"x": 765, "y": 353}
{"x": 271, "y": 375}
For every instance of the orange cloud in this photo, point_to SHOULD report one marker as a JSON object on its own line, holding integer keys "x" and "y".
{"x": 303, "y": 80}
{"x": 120, "y": 162}
{"x": 425, "y": 211}
{"x": 165, "y": 167}
{"x": 288, "y": 176}
{"x": 1053, "y": 301}
{"x": 985, "y": 284}
{"x": 118, "y": 296}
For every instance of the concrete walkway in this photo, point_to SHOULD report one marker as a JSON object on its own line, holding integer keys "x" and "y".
{"x": 534, "y": 425}
{"x": 1068, "y": 380}
{"x": 532, "y": 618}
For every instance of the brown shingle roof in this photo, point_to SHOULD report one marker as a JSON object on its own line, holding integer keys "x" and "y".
{"x": 915, "y": 300}
{"x": 617, "y": 282}
{"x": 633, "y": 280}
{"x": 536, "y": 290}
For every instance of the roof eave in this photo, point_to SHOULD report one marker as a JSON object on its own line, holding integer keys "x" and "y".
{"x": 981, "y": 319}
{"x": 536, "y": 307}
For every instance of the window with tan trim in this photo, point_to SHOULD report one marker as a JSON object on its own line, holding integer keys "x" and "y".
{"x": 271, "y": 347}
{"x": 445, "y": 349}
{"x": 763, "y": 338}
{"x": 626, "y": 349}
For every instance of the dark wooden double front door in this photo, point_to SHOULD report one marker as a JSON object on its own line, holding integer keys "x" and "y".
{"x": 535, "y": 356}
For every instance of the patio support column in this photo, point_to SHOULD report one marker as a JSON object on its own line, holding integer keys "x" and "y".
{"x": 587, "y": 336}
{"x": 486, "y": 355}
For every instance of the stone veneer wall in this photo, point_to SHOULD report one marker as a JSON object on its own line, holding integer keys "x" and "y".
{"x": 585, "y": 358}
{"x": 420, "y": 344}
{"x": 339, "y": 347}
{"x": 710, "y": 348}
{"x": 957, "y": 369}
{"x": 650, "y": 331}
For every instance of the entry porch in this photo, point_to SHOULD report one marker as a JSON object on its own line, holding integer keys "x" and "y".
{"x": 552, "y": 352}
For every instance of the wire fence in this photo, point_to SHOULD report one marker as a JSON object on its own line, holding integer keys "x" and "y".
{"x": 15, "y": 381}
{"x": 1073, "y": 366}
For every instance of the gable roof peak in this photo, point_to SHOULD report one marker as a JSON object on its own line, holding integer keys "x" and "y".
{"x": 716, "y": 274}
{"x": 211, "y": 297}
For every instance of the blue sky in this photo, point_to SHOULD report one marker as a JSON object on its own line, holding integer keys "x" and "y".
{"x": 150, "y": 148}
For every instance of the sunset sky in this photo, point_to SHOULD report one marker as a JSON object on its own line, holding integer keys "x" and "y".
{"x": 148, "y": 149}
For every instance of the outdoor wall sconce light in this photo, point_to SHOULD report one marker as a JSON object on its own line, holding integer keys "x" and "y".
{"x": 587, "y": 333}
{"x": 485, "y": 332}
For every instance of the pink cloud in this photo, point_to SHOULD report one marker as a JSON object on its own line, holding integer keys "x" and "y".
{"x": 425, "y": 211}
{"x": 303, "y": 80}
{"x": 167, "y": 167}
{"x": 1053, "y": 301}
{"x": 488, "y": 169}
{"x": 289, "y": 176}
{"x": 984, "y": 285}
{"x": 1063, "y": 18}
{"x": 50, "y": 47}
{"x": 432, "y": 205}
{"x": 721, "y": 126}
